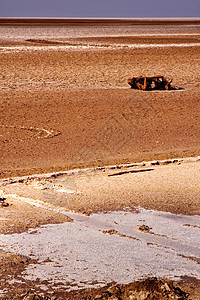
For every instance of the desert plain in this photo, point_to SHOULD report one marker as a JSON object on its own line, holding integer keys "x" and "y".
{"x": 78, "y": 144}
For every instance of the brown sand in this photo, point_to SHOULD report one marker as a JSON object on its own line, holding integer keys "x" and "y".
{"x": 20, "y": 216}
{"x": 84, "y": 95}
{"x": 169, "y": 186}
{"x": 66, "y": 109}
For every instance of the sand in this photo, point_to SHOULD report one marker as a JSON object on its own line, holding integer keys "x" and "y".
{"x": 83, "y": 96}
{"x": 65, "y": 104}
{"x": 64, "y": 247}
{"x": 169, "y": 185}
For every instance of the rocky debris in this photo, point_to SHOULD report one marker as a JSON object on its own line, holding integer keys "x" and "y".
{"x": 155, "y": 163}
{"x": 144, "y": 228}
{"x": 152, "y": 288}
{"x": 77, "y": 172}
{"x": 3, "y": 203}
{"x": 113, "y": 231}
{"x": 30, "y": 295}
{"x": 110, "y": 231}
{"x": 167, "y": 162}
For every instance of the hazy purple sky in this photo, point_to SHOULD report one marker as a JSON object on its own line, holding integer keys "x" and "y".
{"x": 100, "y": 8}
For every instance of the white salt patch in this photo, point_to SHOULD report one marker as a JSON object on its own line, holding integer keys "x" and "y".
{"x": 66, "y": 191}
{"x": 80, "y": 251}
{"x": 99, "y": 46}
{"x": 2, "y": 292}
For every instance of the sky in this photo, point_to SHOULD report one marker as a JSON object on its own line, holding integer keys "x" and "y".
{"x": 100, "y": 8}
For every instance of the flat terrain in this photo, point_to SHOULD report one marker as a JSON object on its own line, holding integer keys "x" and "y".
{"x": 81, "y": 94}
{"x": 169, "y": 185}
{"x": 82, "y": 229}
{"x": 65, "y": 104}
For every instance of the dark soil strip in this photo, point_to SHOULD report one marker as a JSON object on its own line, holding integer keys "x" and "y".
{"x": 132, "y": 171}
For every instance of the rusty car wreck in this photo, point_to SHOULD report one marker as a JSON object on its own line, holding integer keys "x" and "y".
{"x": 150, "y": 83}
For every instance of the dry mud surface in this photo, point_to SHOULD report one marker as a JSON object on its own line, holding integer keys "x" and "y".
{"x": 64, "y": 234}
{"x": 65, "y": 105}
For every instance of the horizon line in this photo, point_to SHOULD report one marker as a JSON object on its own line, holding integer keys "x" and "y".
{"x": 103, "y": 18}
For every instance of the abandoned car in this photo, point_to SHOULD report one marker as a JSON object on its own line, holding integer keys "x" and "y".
{"x": 150, "y": 83}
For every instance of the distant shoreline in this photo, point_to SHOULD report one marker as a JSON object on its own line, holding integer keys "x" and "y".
{"x": 99, "y": 21}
